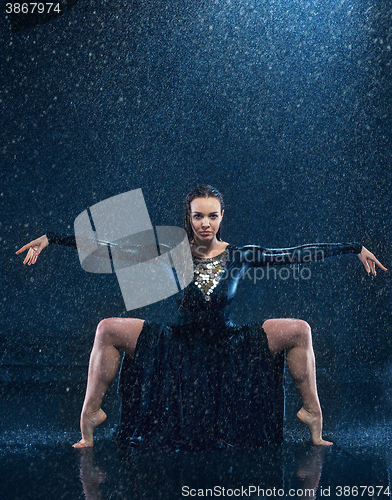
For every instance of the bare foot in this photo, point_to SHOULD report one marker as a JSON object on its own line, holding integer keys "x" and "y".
{"x": 88, "y": 422}
{"x": 314, "y": 422}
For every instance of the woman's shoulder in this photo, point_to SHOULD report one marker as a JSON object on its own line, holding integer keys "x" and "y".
{"x": 245, "y": 253}
{"x": 244, "y": 248}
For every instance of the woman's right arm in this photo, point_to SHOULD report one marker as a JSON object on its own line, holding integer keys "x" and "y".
{"x": 35, "y": 247}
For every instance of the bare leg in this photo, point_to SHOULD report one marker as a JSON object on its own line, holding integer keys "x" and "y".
{"x": 112, "y": 334}
{"x": 294, "y": 335}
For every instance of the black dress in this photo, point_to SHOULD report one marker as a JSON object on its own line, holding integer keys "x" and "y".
{"x": 204, "y": 382}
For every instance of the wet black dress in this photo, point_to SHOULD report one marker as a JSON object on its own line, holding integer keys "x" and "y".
{"x": 204, "y": 382}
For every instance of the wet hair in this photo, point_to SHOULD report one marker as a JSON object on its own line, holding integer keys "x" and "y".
{"x": 203, "y": 191}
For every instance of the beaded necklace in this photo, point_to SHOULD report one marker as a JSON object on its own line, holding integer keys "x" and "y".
{"x": 208, "y": 273}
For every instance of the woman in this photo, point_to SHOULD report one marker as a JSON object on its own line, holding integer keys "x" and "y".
{"x": 218, "y": 267}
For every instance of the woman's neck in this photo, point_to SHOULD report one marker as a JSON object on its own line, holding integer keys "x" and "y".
{"x": 205, "y": 249}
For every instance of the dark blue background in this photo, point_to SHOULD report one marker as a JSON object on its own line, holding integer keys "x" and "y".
{"x": 284, "y": 106}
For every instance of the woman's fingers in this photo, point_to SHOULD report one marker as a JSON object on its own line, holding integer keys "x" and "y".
{"x": 25, "y": 247}
{"x": 29, "y": 257}
{"x": 35, "y": 256}
{"x": 33, "y": 248}
{"x": 26, "y": 259}
{"x": 370, "y": 262}
{"x": 373, "y": 262}
{"x": 370, "y": 265}
{"x": 380, "y": 265}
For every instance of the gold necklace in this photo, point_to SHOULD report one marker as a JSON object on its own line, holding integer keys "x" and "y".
{"x": 208, "y": 273}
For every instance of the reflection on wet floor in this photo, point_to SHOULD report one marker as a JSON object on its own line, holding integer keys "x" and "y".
{"x": 294, "y": 470}
{"x": 38, "y": 462}
{"x": 226, "y": 473}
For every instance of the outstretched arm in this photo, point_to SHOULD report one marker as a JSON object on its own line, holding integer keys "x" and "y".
{"x": 129, "y": 250}
{"x": 35, "y": 247}
{"x": 257, "y": 256}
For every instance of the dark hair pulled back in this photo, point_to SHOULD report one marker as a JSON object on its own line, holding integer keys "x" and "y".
{"x": 202, "y": 191}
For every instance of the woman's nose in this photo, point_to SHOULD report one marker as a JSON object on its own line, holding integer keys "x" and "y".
{"x": 205, "y": 223}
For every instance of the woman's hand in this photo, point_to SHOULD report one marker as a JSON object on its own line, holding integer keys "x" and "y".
{"x": 35, "y": 247}
{"x": 370, "y": 261}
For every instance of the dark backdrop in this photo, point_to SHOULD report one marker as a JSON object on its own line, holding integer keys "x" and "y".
{"x": 284, "y": 106}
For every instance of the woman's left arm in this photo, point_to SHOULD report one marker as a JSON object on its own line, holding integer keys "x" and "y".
{"x": 370, "y": 262}
{"x": 303, "y": 254}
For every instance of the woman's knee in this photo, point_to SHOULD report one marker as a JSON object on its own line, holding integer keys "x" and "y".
{"x": 104, "y": 330}
{"x": 287, "y": 333}
{"x": 122, "y": 333}
{"x": 304, "y": 332}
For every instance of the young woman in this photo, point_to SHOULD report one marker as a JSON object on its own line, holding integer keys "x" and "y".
{"x": 203, "y": 330}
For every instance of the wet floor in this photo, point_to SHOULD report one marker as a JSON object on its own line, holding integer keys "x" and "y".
{"x": 39, "y": 424}
{"x": 294, "y": 470}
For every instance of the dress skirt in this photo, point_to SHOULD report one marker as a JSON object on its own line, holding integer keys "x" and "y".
{"x": 195, "y": 387}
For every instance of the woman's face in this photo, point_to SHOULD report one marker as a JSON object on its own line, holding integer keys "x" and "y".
{"x": 206, "y": 216}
